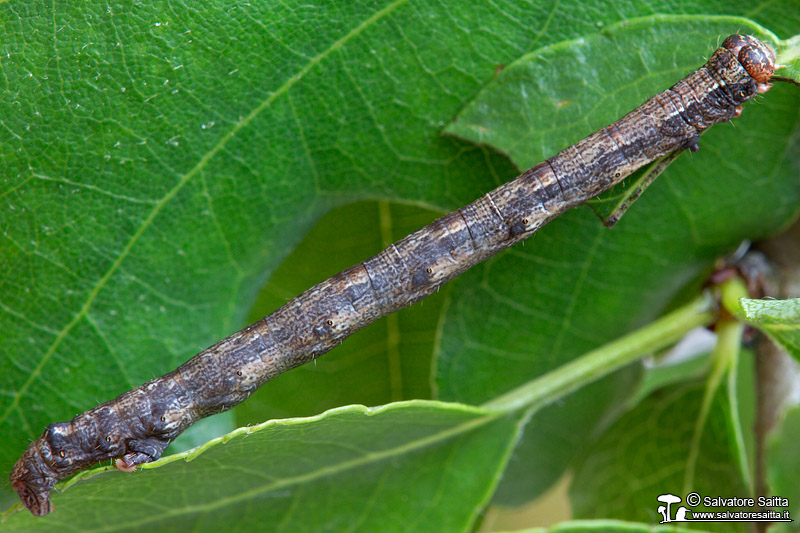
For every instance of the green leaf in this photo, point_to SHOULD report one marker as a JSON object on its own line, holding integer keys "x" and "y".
{"x": 631, "y": 473}
{"x": 160, "y": 160}
{"x": 432, "y": 447}
{"x": 513, "y": 114}
{"x": 780, "y": 319}
{"x": 509, "y": 113}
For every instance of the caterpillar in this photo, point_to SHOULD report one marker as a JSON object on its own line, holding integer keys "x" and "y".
{"x": 137, "y": 427}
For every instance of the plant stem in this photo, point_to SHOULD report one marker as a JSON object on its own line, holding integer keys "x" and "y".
{"x": 723, "y": 358}
{"x": 724, "y": 361}
{"x": 600, "y": 362}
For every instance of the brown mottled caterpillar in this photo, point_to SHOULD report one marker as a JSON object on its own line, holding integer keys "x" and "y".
{"x": 137, "y": 426}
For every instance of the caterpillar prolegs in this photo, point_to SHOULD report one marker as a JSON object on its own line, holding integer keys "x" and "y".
{"x": 137, "y": 426}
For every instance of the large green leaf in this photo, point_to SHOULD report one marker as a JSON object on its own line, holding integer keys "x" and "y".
{"x": 431, "y": 447}
{"x": 160, "y": 160}
{"x": 631, "y": 472}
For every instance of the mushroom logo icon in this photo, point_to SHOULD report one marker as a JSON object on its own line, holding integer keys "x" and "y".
{"x": 666, "y": 512}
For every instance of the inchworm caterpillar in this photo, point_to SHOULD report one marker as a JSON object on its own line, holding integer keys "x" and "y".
{"x": 137, "y": 426}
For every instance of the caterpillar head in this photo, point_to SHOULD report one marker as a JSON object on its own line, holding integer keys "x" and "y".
{"x": 53, "y": 456}
{"x": 33, "y": 479}
{"x": 757, "y": 58}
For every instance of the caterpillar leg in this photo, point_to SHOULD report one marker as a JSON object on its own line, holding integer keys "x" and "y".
{"x": 635, "y": 190}
{"x": 140, "y": 452}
